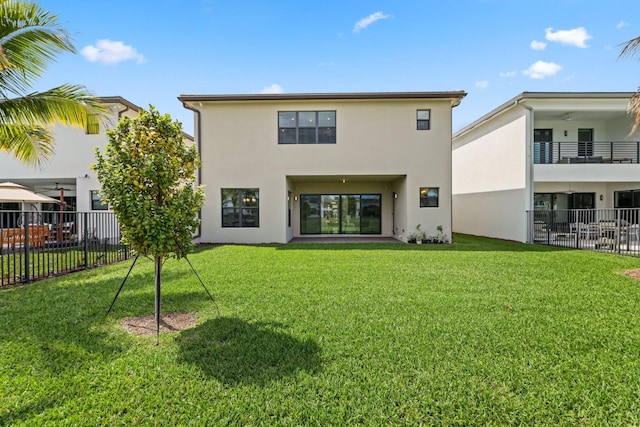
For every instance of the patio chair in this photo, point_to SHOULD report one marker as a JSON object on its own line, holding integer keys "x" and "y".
{"x": 541, "y": 233}
{"x": 610, "y": 235}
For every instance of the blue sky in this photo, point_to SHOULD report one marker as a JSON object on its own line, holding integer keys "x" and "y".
{"x": 151, "y": 51}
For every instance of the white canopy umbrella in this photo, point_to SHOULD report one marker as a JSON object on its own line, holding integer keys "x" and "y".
{"x": 11, "y": 192}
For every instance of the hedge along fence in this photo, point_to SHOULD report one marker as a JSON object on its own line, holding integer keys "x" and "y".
{"x": 36, "y": 245}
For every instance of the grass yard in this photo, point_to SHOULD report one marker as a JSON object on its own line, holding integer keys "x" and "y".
{"x": 481, "y": 332}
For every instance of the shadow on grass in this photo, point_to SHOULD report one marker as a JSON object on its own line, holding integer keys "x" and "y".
{"x": 234, "y": 351}
{"x": 11, "y": 417}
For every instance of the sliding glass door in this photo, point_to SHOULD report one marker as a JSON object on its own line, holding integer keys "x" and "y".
{"x": 340, "y": 214}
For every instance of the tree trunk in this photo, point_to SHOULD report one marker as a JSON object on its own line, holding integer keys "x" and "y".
{"x": 158, "y": 270}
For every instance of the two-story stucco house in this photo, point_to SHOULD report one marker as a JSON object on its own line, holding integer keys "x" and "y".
{"x": 551, "y": 151}
{"x": 68, "y": 173}
{"x": 282, "y": 166}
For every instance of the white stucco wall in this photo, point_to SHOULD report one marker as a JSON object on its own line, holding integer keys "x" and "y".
{"x": 378, "y": 150}
{"x": 490, "y": 187}
{"x": 71, "y": 164}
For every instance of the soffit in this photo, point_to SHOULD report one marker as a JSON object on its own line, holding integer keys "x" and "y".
{"x": 346, "y": 178}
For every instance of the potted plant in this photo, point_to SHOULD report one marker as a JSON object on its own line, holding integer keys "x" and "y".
{"x": 420, "y": 235}
{"x": 441, "y": 238}
{"x": 411, "y": 238}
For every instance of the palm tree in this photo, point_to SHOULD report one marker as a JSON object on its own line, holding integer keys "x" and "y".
{"x": 632, "y": 48}
{"x": 30, "y": 38}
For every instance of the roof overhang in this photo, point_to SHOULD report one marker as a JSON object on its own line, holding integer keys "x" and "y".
{"x": 119, "y": 100}
{"x": 525, "y": 97}
{"x": 454, "y": 96}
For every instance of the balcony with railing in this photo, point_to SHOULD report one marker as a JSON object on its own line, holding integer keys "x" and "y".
{"x": 574, "y": 152}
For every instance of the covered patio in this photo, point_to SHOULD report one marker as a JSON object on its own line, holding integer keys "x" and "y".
{"x": 604, "y": 230}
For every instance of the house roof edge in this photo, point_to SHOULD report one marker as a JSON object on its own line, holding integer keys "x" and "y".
{"x": 539, "y": 95}
{"x": 119, "y": 100}
{"x": 456, "y": 95}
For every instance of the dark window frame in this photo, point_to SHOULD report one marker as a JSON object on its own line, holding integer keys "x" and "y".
{"x": 247, "y": 212}
{"x": 426, "y": 201}
{"x": 311, "y": 213}
{"x": 289, "y": 206}
{"x": 422, "y": 123}
{"x": 633, "y": 198}
{"x": 585, "y": 145}
{"x": 96, "y": 202}
{"x": 298, "y": 133}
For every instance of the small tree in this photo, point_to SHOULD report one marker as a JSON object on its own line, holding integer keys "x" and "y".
{"x": 147, "y": 175}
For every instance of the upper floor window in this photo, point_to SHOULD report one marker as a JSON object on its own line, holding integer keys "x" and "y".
{"x": 424, "y": 119}
{"x": 93, "y": 125}
{"x": 240, "y": 207}
{"x": 96, "y": 202}
{"x": 429, "y": 197}
{"x": 306, "y": 127}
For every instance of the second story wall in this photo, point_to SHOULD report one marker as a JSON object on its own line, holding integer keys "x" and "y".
{"x": 492, "y": 157}
{"x": 371, "y": 137}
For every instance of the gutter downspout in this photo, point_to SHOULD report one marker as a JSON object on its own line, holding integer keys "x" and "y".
{"x": 121, "y": 112}
{"x": 198, "y": 138}
{"x": 529, "y": 166}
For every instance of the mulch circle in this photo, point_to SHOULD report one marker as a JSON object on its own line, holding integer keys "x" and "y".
{"x": 632, "y": 273}
{"x": 169, "y": 323}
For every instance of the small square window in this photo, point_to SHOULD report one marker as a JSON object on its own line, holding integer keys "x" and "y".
{"x": 424, "y": 119}
{"x": 429, "y": 197}
{"x": 96, "y": 202}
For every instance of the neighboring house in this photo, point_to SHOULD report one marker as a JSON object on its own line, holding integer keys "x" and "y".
{"x": 68, "y": 173}
{"x": 549, "y": 150}
{"x": 280, "y": 166}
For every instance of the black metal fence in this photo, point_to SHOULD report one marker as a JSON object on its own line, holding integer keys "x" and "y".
{"x": 35, "y": 245}
{"x": 605, "y": 230}
{"x": 586, "y": 152}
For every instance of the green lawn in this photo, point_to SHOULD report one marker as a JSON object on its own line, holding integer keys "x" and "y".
{"x": 475, "y": 333}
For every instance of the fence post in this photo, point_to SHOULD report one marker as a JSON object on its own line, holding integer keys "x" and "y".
{"x": 85, "y": 236}
{"x": 25, "y": 224}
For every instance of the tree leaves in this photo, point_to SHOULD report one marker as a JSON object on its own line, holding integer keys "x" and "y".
{"x": 147, "y": 175}
{"x": 30, "y": 39}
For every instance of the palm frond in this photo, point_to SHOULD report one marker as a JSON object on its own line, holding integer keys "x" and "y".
{"x": 630, "y": 48}
{"x": 31, "y": 39}
{"x": 31, "y": 145}
{"x": 633, "y": 109}
{"x": 70, "y": 105}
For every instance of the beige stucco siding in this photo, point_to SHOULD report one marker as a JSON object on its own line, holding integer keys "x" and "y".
{"x": 378, "y": 150}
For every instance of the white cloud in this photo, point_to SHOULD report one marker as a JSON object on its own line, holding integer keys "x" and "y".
{"x": 111, "y": 52}
{"x": 365, "y": 22}
{"x": 274, "y": 88}
{"x": 508, "y": 74}
{"x": 576, "y": 37}
{"x": 622, "y": 24}
{"x": 536, "y": 45}
{"x": 541, "y": 69}
{"x": 482, "y": 84}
